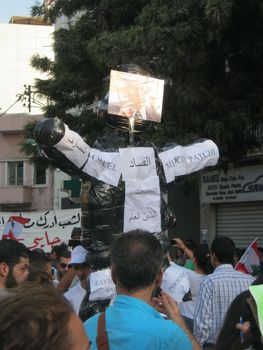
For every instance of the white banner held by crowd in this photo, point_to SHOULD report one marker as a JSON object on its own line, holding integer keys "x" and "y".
{"x": 175, "y": 282}
{"x": 42, "y": 229}
{"x": 183, "y": 160}
{"x": 101, "y": 285}
{"x": 104, "y": 166}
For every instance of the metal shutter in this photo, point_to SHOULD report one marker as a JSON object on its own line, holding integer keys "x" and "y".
{"x": 242, "y": 222}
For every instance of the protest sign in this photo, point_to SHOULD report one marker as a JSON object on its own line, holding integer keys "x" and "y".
{"x": 134, "y": 95}
{"x": 175, "y": 282}
{"x": 41, "y": 229}
{"x": 101, "y": 285}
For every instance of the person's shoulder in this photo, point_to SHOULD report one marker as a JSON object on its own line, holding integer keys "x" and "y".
{"x": 208, "y": 280}
{"x": 244, "y": 276}
{"x": 92, "y": 321}
{"x": 175, "y": 336}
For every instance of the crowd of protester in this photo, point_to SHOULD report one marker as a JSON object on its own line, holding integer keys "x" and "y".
{"x": 41, "y": 296}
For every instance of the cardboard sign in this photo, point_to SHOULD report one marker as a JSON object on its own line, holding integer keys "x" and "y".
{"x": 137, "y": 96}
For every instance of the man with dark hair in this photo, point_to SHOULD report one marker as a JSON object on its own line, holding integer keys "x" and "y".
{"x": 131, "y": 322}
{"x": 217, "y": 291}
{"x": 40, "y": 267}
{"x": 33, "y": 317}
{"x": 14, "y": 264}
{"x": 63, "y": 262}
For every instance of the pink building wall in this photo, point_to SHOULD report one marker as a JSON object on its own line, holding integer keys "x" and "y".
{"x": 29, "y": 196}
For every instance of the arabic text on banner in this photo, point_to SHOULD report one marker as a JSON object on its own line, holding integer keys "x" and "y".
{"x": 44, "y": 229}
{"x": 182, "y": 160}
{"x": 104, "y": 166}
{"x": 73, "y": 147}
{"x": 142, "y": 205}
{"x": 137, "y": 162}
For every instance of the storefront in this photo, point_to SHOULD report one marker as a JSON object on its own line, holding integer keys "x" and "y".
{"x": 232, "y": 204}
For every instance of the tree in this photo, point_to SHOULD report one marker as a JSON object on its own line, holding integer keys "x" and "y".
{"x": 209, "y": 52}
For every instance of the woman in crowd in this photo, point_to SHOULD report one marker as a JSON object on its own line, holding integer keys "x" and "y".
{"x": 234, "y": 335}
{"x": 202, "y": 267}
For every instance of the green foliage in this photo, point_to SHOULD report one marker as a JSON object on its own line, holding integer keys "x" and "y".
{"x": 209, "y": 52}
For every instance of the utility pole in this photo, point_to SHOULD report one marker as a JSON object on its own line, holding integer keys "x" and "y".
{"x": 28, "y": 93}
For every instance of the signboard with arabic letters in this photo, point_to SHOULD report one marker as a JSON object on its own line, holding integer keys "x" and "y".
{"x": 39, "y": 229}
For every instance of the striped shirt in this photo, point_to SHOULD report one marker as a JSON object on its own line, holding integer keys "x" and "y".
{"x": 217, "y": 291}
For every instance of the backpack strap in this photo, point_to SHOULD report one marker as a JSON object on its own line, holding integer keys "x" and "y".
{"x": 102, "y": 338}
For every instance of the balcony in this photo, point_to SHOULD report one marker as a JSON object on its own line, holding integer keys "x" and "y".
{"x": 15, "y": 195}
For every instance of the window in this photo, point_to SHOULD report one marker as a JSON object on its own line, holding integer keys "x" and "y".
{"x": 15, "y": 175}
{"x": 40, "y": 177}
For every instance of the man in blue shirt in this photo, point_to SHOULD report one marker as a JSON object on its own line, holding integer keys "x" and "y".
{"x": 131, "y": 322}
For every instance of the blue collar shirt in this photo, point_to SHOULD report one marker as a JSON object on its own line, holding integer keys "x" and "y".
{"x": 132, "y": 324}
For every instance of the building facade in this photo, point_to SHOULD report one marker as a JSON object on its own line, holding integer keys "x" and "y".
{"x": 23, "y": 185}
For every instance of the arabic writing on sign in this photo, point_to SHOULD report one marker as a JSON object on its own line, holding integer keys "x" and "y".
{"x": 137, "y": 163}
{"x": 145, "y": 161}
{"x": 42, "y": 229}
{"x": 73, "y": 147}
{"x": 47, "y": 220}
{"x": 145, "y": 214}
{"x": 42, "y": 242}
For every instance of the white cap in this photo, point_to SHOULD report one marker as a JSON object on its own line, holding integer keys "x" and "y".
{"x": 78, "y": 255}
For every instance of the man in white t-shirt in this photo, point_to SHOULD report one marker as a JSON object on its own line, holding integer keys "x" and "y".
{"x": 79, "y": 263}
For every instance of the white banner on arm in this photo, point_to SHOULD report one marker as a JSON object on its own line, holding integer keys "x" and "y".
{"x": 73, "y": 147}
{"x": 104, "y": 166}
{"x": 183, "y": 160}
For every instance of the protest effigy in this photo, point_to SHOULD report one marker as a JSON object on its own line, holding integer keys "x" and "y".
{"x": 123, "y": 180}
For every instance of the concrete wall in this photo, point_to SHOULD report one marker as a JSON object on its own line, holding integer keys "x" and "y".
{"x": 18, "y": 43}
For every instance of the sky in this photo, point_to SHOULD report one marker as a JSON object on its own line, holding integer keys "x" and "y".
{"x": 9, "y": 8}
